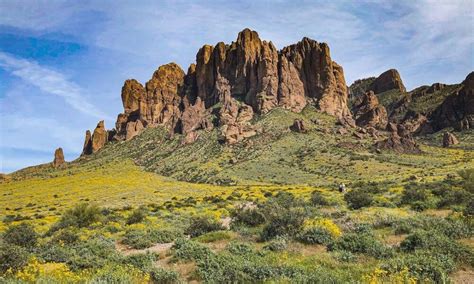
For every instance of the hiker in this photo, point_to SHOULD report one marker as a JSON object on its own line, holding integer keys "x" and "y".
{"x": 342, "y": 188}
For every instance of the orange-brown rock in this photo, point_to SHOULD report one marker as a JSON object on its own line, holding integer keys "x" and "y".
{"x": 99, "y": 137}
{"x": 323, "y": 79}
{"x": 400, "y": 140}
{"x": 299, "y": 126}
{"x": 388, "y": 80}
{"x": 87, "y": 148}
{"x": 368, "y": 112}
{"x": 58, "y": 158}
{"x": 132, "y": 93}
{"x": 449, "y": 139}
{"x": 235, "y": 121}
{"x": 133, "y": 129}
{"x": 193, "y": 118}
{"x": 457, "y": 110}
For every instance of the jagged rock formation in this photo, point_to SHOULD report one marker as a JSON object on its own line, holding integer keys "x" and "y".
{"x": 368, "y": 112}
{"x": 58, "y": 158}
{"x": 457, "y": 110}
{"x": 387, "y": 81}
{"x": 245, "y": 77}
{"x": 87, "y": 148}
{"x": 299, "y": 126}
{"x": 449, "y": 139}
{"x": 96, "y": 141}
{"x": 400, "y": 140}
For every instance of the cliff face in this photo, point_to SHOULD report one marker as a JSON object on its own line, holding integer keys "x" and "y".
{"x": 249, "y": 76}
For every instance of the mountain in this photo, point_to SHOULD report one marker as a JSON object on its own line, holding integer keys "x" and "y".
{"x": 255, "y": 165}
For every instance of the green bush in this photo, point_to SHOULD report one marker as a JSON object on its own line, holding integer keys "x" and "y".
{"x": 137, "y": 216}
{"x": 469, "y": 210}
{"x": 317, "y": 198}
{"x": 358, "y": 198}
{"x": 93, "y": 253}
{"x": 279, "y": 243}
{"x": 453, "y": 197}
{"x": 425, "y": 266}
{"x": 286, "y": 222}
{"x": 364, "y": 243}
{"x": 468, "y": 179}
{"x": 190, "y": 250}
{"x": 162, "y": 276}
{"x": 237, "y": 248}
{"x": 140, "y": 239}
{"x": 66, "y": 236}
{"x": 82, "y": 215}
{"x": 412, "y": 194}
{"x": 201, "y": 225}
{"x": 23, "y": 235}
{"x": 142, "y": 261}
{"x": 315, "y": 235}
{"x": 248, "y": 216}
{"x": 12, "y": 257}
{"x": 213, "y": 237}
{"x": 452, "y": 228}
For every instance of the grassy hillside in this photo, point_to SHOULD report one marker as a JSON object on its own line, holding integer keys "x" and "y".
{"x": 401, "y": 212}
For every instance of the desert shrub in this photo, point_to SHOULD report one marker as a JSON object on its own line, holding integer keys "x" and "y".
{"x": 412, "y": 194}
{"x": 93, "y": 253}
{"x": 66, "y": 236}
{"x": 55, "y": 252}
{"x": 423, "y": 265}
{"x": 238, "y": 248}
{"x": 214, "y": 236}
{"x": 190, "y": 250}
{"x": 469, "y": 210}
{"x": 12, "y": 257}
{"x": 114, "y": 273}
{"x": 279, "y": 243}
{"x": 82, "y": 215}
{"x": 140, "y": 239}
{"x": 201, "y": 225}
{"x": 137, "y": 216}
{"x": 142, "y": 261}
{"x": 248, "y": 216}
{"x": 468, "y": 179}
{"x": 286, "y": 222}
{"x": 450, "y": 227}
{"x": 315, "y": 235}
{"x": 23, "y": 235}
{"x": 437, "y": 243}
{"x": 159, "y": 275}
{"x": 364, "y": 243}
{"x": 317, "y": 198}
{"x": 344, "y": 256}
{"x": 356, "y": 199}
{"x": 453, "y": 197}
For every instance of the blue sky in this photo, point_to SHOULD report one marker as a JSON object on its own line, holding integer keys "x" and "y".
{"x": 63, "y": 63}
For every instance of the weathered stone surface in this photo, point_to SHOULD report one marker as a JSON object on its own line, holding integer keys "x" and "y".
{"x": 368, "y": 112}
{"x": 194, "y": 117}
{"x": 322, "y": 79}
{"x": 234, "y": 121}
{"x": 87, "y": 148}
{"x": 291, "y": 93}
{"x": 59, "y": 158}
{"x": 299, "y": 126}
{"x": 400, "y": 140}
{"x": 133, "y": 129}
{"x": 457, "y": 110}
{"x": 99, "y": 137}
{"x": 449, "y": 139}
{"x": 387, "y": 81}
{"x": 132, "y": 93}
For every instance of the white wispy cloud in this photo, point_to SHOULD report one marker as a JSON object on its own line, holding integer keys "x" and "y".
{"x": 49, "y": 81}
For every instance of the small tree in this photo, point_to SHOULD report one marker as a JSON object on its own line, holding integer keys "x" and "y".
{"x": 23, "y": 235}
{"x": 358, "y": 198}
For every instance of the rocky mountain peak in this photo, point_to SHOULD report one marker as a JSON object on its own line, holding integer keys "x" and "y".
{"x": 387, "y": 81}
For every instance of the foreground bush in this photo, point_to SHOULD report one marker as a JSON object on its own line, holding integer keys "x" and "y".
{"x": 83, "y": 215}
{"x": 137, "y": 216}
{"x": 248, "y": 216}
{"x": 12, "y": 257}
{"x": 363, "y": 242}
{"x": 317, "y": 198}
{"x": 358, "y": 198}
{"x": 23, "y": 235}
{"x": 201, "y": 225}
{"x": 284, "y": 223}
{"x": 140, "y": 239}
{"x": 162, "y": 276}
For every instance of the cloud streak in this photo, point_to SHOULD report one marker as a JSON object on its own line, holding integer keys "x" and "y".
{"x": 49, "y": 81}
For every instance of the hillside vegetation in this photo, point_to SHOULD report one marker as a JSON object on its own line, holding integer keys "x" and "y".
{"x": 267, "y": 209}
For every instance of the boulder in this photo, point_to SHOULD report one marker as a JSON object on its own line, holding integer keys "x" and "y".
{"x": 449, "y": 139}
{"x": 299, "y": 126}
{"x": 388, "y": 80}
{"x": 59, "y": 158}
{"x": 399, "y": 140}
{"x": 368, "y": 112}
